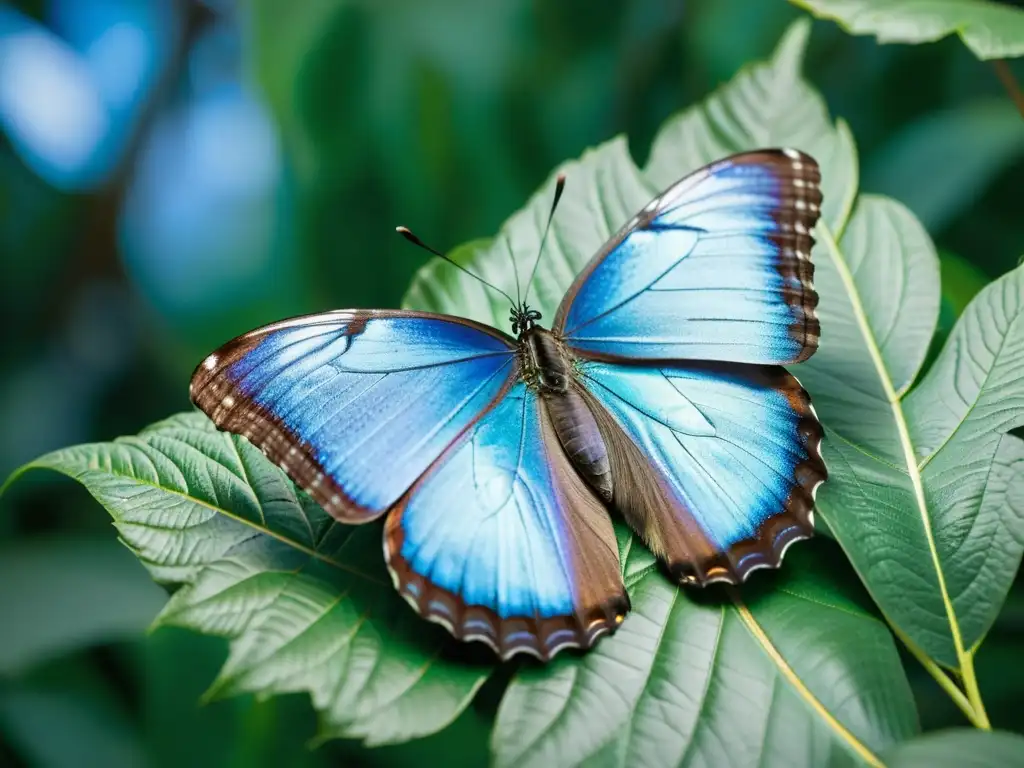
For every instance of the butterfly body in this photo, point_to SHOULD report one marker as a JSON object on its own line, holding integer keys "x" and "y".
{"x": 658, "y": 395}
{"x": 548, "y": 367}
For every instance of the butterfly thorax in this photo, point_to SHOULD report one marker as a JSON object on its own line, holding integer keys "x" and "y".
{"x": 548, "y": 366}
{"x": 546, "y": 363}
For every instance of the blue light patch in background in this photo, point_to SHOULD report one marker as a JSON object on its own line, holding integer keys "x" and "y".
{"x": 200, "y": 226}
{"x": 69, "y": 97}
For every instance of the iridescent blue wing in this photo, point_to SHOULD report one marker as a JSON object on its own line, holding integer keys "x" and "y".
{"x": 716, "y": 268}
{"x": 355, "y": 405}
{"x": 501, "y": 541}
{"x": 713, "y": 464}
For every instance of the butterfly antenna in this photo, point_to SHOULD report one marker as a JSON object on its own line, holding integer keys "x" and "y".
{"x": 559, "y": 188}
{"x": 515, "y": 270}
{"x": 408, "y": 235}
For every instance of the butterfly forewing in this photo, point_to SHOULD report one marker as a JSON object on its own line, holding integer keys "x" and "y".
{"x": 716, "y": 268}
{"x": 355, "y": 405}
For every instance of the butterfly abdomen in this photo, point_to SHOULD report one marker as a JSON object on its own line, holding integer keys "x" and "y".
{"x": 548, "y": 368}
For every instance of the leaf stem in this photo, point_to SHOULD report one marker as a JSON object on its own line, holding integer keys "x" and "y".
{"x": 970, "y": 710}
{"x": 970, "y": 681}
{"x": 1006, "y": 77}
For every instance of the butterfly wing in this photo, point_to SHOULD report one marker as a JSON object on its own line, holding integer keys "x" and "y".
{"x": 355, "y": 405}
{"x": 716, "y": 268}
{"x": 714, "y": 465}
{"x": 501, "y": 541}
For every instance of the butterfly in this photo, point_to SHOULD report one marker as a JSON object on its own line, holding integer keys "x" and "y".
{"x": 658, "y": 394}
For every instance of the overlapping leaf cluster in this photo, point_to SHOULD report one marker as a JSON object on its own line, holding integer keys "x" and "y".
{"x": 926, "y": 499}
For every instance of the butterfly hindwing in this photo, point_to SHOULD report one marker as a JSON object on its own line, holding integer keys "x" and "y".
{"x": 502, "y": 541}
{"x": 355, "y": 405}
{"x": 716, "y": 268}
{"x": 714, "y": 465}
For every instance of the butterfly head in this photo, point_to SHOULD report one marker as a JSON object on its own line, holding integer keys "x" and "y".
{"x": 523, "y": 318}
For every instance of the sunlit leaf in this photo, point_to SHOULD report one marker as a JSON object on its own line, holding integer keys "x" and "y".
{"x": 991, "y": 30}
{"x": 306, "y": 601}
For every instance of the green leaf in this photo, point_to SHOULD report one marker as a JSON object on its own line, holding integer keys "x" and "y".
{"x": 936, "y": 549}
{"x": 959, "y": 748}
{"x": 60, "y": 594}
{"x": 940, "y": 165}
{"x": 307, "y": 602}
{"x": 972, "y": 472}
{"x": 308, "y": 605}
{"x": 936, "y": 546}
{"x": 670, "y": 648}
{"x": 991, "y": 30}
{"x": 801, "y": 658}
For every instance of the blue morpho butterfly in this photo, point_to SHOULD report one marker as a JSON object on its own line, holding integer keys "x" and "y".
{"x": 657, "y": 393}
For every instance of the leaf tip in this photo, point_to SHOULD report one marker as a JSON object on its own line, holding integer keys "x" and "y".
{"x": 789, "y": 53}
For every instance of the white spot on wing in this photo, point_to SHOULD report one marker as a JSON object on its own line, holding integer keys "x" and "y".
{"x": 210, "y": 363}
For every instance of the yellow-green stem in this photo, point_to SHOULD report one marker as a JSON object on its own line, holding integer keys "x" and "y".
{"x": 974, "y": 713}
{"x": 973, "y": 693}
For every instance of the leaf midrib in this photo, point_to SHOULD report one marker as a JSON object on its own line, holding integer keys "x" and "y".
{"x": 909, "y": 454}
{"x": 206, "y": 505}
{"x": 762, "y": 639}
{"x": 976, "y": 399}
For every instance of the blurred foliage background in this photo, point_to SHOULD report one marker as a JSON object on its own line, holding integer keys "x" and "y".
{"x": 175, "y": 172}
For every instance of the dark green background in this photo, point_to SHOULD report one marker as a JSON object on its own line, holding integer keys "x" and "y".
{"x": 442, "y": 115}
